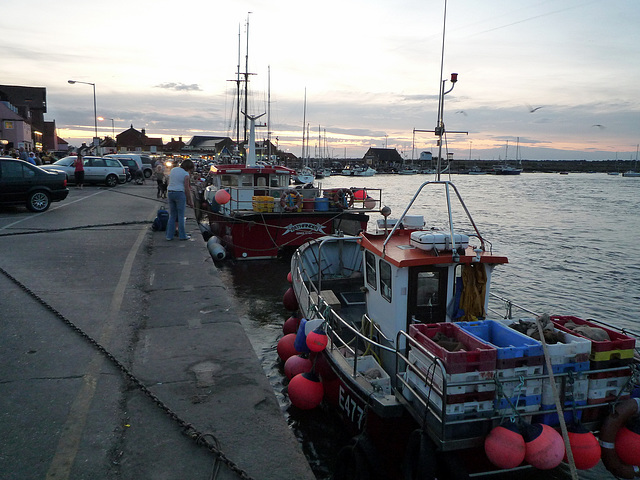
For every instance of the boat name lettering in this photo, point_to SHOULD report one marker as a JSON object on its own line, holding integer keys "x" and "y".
{"x": 354, "y": 412}
{"x": 305, "y": 227}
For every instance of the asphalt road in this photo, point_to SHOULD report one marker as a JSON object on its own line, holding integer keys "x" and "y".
{"x": 87, "y": 291}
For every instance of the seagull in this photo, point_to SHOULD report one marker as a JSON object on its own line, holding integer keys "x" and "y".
{"x": 599, "y": 126}
{"x": 533, "y": 109}
{"x": 462, "y": 112}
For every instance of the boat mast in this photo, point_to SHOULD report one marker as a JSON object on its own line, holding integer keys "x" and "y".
{"x": 304, "y": 121}
{"x": 246, "y": 81}
{"x": 269, "y": 113}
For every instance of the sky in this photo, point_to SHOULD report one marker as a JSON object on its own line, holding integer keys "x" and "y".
{"x": 540, "y": 79}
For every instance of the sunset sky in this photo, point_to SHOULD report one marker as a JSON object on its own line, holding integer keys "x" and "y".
{"x": 371, "y": 70}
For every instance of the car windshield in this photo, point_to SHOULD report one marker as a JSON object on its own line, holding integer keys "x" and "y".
{"x": 64, "y": 161}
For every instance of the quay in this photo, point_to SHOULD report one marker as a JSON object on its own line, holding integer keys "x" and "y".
{"x": 123, "y": 354}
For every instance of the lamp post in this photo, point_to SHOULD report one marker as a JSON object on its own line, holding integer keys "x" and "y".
{"x": 95, "y": 114}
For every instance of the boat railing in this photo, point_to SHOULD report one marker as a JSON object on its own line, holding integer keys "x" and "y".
{"x": 447, "y": 190}
{"x": 267, "y": 199}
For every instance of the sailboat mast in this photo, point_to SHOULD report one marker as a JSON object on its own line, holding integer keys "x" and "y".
{"x": 238, "y": 91}
{"x": 246, "y": 81}
{"x": 304, "y": 121}
{"x": 269, "y": 113}
{"x": 440, "y": 124}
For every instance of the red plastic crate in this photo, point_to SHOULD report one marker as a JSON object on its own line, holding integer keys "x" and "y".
{"x": 618, "y": 341}
{"x": 476, "y": 355}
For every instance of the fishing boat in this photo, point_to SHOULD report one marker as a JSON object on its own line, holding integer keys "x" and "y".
{"x": 397, "y": 331}
{"x": 358, "y": 171}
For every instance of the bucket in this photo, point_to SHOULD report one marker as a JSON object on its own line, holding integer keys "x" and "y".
{"x": 308, "y": 204}
{"x": 322, "y": 204}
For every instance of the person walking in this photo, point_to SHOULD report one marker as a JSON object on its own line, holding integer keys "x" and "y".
{"x": 179, "y": 193}
{"x": 79, "y": 171}
{"x": 161, "y": 180}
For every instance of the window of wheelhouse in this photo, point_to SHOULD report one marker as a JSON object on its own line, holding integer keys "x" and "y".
{"x": 385, "y": 280}
{"x": 370, "y": 269}
{"x": 427, "y": 295}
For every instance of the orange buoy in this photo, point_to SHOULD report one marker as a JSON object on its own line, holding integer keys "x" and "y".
{"x": 622, "y": 413}
{"x": 317, "y": 340}
{"x": 628, "y": 444}
{"x": 505, "y": 446}
{"x": 584, "y": 446}
{"x": 544, "y": 446}
{"x": 286, "y": 348}
{"x": 305, "y": 391}
{"x": 289, "y": 300}
{"x": 291, "y": 325}
{"x": 296, "y": 364}
{"x": 222, "y": 197}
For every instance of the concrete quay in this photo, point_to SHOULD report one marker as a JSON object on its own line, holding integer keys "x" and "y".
{"x": 160, "y": 309}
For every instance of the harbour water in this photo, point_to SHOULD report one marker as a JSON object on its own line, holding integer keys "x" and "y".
{"x": 571, "y": 244}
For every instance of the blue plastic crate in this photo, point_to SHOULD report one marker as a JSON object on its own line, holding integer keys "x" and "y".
{"x": 569, "y": 367}
{"x": 519, "y": 402}
{"x": 508, "y": 342}
{"x": 552, "y": 420}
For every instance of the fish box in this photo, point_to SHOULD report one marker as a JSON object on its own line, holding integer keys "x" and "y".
{"x": 475, "y": 356}
{"x": 438, "y": 241}
{"x": 371, "y": 370}
{"x": 262, "y": 204}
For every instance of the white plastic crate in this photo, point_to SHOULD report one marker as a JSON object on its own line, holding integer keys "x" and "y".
{"x": 579, "y": 389}
{"x": 605, "y": 387}
{"x": 471, "y": 407}
{"x": 367, "y": 364}
{"x": 425, "y": 365}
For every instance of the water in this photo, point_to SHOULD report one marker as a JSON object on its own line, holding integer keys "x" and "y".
{"x": 570, "y": 240}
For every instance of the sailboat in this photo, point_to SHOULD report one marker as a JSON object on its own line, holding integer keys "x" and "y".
{"x": 634, "y": 172}
{"x": 304, "y": 175}
{"x": 506, "y": 169}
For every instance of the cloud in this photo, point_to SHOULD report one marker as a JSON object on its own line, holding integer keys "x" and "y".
{"x": 180, "y": 87}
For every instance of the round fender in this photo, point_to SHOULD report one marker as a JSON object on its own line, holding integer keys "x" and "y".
{"x": 343, "y": 198}
{"x": 621, "y": 414}
{"x": 291, "y": 200}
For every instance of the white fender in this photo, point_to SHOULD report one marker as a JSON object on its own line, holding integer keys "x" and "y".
{"x": 216, "y": 250}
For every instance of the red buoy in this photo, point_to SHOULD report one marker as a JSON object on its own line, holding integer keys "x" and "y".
{"x": 295, "y": 365}
{"x": 286, "y": 348}
{"x": 291, "y": 325}
{"x": 628, "y": 444}
{"x": 317, "y": 340}
{"x": 504, "y": 446}
{"x": 289, "y": 278}
{"x": 584, "y": 446}
{"x": 289, "y": 300}
{"x": 305, "y": 391}
{"x": 544, "y": 446}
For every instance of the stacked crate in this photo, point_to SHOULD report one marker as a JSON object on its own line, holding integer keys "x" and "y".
{"x": 463, "y": 386}
{"x": 613, "y": 356}
{"x": 517, "y": 358}
{"x": 263, "y": 203}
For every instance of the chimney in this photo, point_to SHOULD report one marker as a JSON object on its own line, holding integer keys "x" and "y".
{"x": 180, "y": 139}
{"x": 143, "y": 132}
{"x": 172, "y": 140}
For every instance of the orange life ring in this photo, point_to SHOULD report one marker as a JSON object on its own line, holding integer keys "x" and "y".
{"x": 622, "y": 413}
{"x": 291, "y": 200}
{"x": 343, "y": 198}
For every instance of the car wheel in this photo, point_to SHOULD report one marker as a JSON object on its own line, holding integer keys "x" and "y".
{"x": 38, "y": 201}
{"x": 111, "y": 180}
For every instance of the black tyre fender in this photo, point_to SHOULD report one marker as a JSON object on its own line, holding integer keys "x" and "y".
{"x": 111, "y": 180}
{"x": 38, "y": 201}
{"x": 358, "y": 461}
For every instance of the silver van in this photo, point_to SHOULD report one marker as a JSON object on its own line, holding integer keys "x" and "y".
{"x": 143, "y": 161}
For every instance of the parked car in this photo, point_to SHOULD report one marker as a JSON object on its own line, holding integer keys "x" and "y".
{"x": 143, "y": 161}
{"x": 22, "y": 183}
{"x": 96, "y": 170}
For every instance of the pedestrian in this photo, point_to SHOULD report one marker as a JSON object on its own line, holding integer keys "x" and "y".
{"x": 32, "y": 158}
{"x": 179, "y": 190}
{"x": 161, "y": 180}
{"x": 22, "y": 155}
{"x": 79, "y": 171}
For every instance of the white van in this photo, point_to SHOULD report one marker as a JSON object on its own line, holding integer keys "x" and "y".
{"x": 143, "y": 161}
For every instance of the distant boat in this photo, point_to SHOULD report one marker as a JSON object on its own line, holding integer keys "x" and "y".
{"x": 304, "y": 175}
{"x": 358, "y": 171}
{"x": 407, "y": 171}
{"x": 634, "y": 172}
{"x": 476, "y": 170}
{"x": 506, "y": 169}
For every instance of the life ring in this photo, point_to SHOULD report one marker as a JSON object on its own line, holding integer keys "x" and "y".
{"x": 343, "y": 198}
{"x": 621, "y": 414}
{"x": 291, "y": 201}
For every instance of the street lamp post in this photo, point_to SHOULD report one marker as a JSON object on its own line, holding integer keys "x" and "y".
{"x": 95, "y": 112}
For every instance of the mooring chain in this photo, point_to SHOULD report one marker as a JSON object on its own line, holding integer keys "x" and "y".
{"x": 206, "y": 440}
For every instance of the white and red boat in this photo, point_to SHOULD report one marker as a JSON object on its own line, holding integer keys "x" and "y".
{"x": 253, "y": 210}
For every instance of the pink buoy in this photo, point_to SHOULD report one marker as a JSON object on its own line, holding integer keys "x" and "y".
{"x": 286, "y": 348}
{"x": 360, "y": 194}
{"x": 222, "y": 197}
{"x": 289, "y": 277}
{"x": 544, "y": 446}
{"x": 504, "y": 446}
{"x": 305, "y": 391}
{"x": 289, "y": 300}
{"x": 291, "y": 325}
{"x": 317, "y": 340}
{"x": 370, "y": 202}
{"x": 295, "y": 365}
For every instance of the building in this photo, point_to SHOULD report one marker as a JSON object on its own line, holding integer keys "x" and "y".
{"x": 134, "y": 141}
{"x": 22, "y": 111}
{"x": 383, "y": 159}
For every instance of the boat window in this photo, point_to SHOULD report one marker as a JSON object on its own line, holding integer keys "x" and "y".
{"x": 229, "y": 180}
{"x": 280, "y": 180}
{"x": 370, "y": 261}
{"x": 385, "y": 280}
{"x": 428, "y": 284}
{"x": 247, "y": 180}
{"x": 427, "y": 294}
